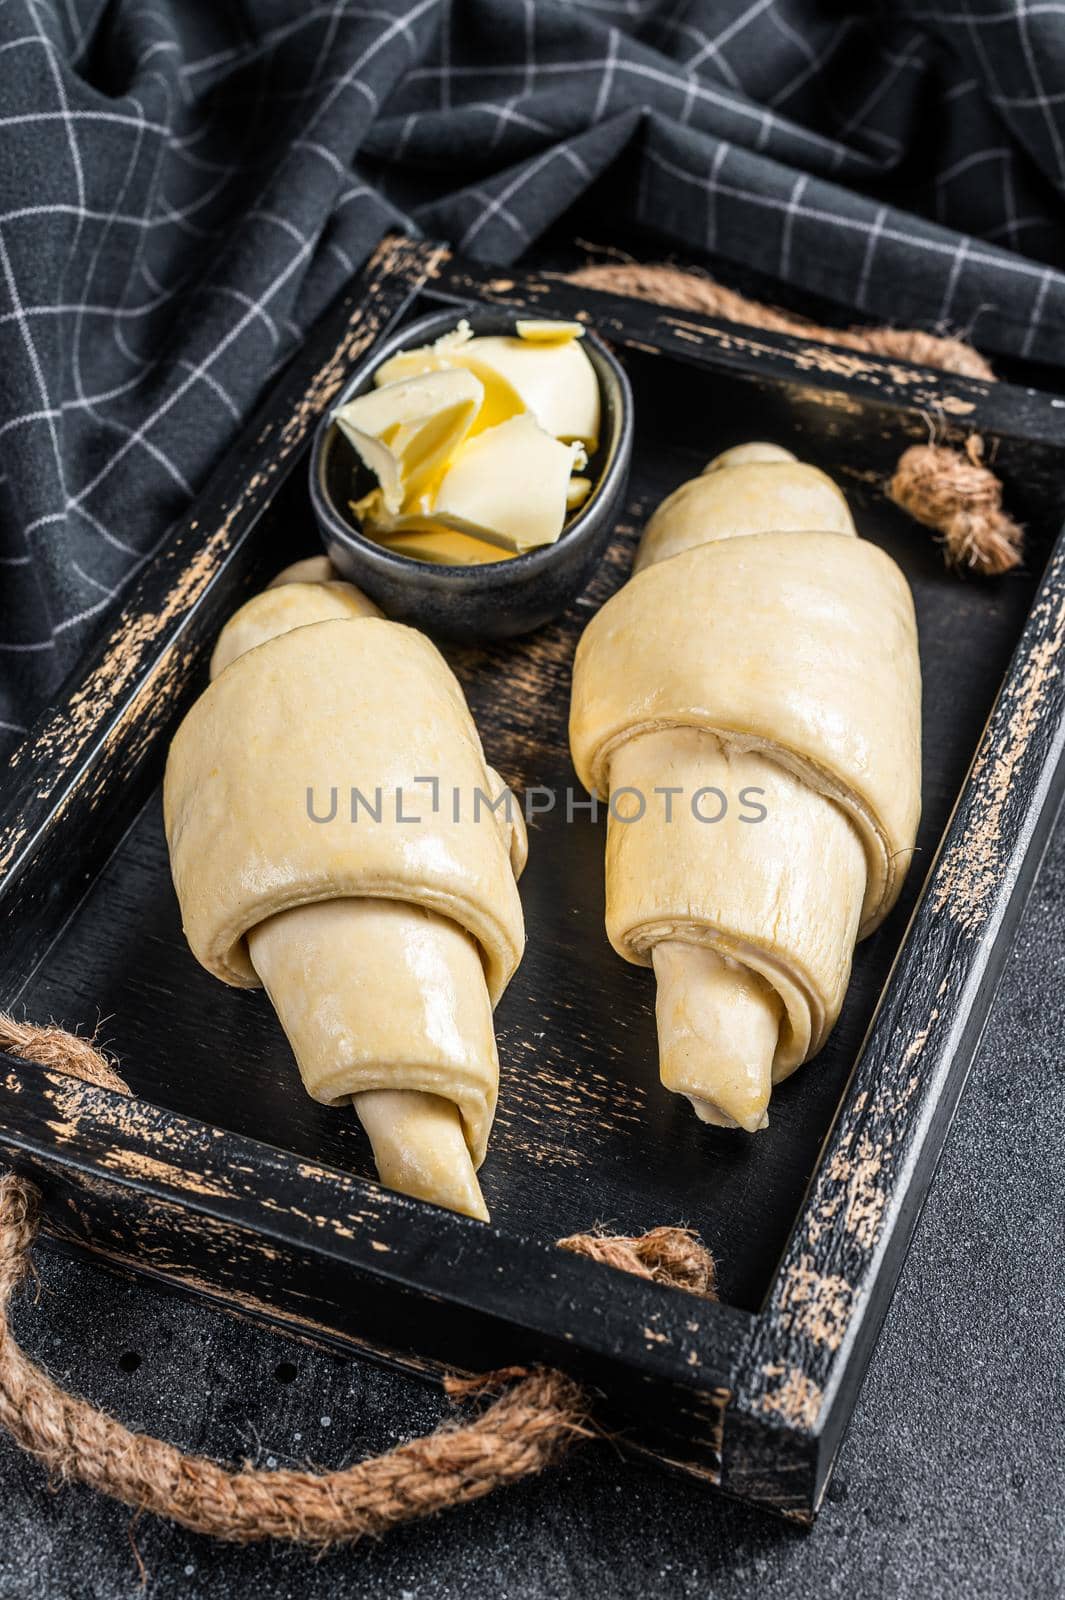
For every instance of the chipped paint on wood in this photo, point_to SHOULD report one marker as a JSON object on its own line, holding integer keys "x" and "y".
{"x": 972, "y": 869}
{"x": 792, "y": 1396}
{"x": 816, "y": 1304}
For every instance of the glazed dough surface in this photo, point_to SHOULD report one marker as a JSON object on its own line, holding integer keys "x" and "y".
{"x": 786, "y": 496}
{"x": 323, "y": 708}
{"x": 761, "y": 649}
{"x": 797, "y": 644}
{"x": 782, "y": 895}
{"x": 381, "y": 940}
{"x": 294, "y": 604}
{"x": 378, "y": 994}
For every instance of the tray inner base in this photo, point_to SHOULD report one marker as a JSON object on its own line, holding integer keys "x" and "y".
{"x": 584, "y": 1132}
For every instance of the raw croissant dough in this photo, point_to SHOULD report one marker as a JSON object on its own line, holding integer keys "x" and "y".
{"x": 383, "y": 945}
{"x": 749, "y": 653}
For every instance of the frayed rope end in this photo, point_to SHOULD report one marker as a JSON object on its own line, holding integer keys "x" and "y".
{"x": 953, "y": 492}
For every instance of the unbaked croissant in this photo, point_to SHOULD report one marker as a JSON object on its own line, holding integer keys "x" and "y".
{"x": 383, "y": 944}
{"x": 750, "y": 702}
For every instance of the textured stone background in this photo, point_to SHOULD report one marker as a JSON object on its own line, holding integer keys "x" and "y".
{"x": 949, "y": 1483}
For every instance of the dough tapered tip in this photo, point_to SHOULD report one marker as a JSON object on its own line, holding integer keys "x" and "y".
{"x": 384, "y": 1005}
{"x": 718, "y": 1026}
{"x": 420, "y": 1149}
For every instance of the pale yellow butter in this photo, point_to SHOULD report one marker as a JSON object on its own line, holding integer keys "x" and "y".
{"x": 474, "y": 442}
{"x": 549, "y": 332}
{"x": 556, "y": 382}
{"x": 406, "y": 432}
{"x": 578, "y": 492}
{"x": 553, "y": 379}
{"x": 510, "y": 483}
{"x": 445, "y": 546}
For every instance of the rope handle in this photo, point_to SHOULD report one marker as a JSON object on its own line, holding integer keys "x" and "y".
{"x": 536, "y": 1415}
{"x": 951, "y": 491}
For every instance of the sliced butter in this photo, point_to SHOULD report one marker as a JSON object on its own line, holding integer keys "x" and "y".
{"x": 509, "y": 483}
{"x": 421, "y": 527}
{"x": 553, "y": 379}
{"x": 578, "y": 492}
{"x": 438, "y": 543}
{"x": 549, "y": 332}
{"x": 556, "y": 382}
{"x": 424, "y": 357}
{"x": 406, "y": 431}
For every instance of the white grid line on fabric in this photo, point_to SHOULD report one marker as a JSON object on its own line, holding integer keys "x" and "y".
{"x": 161, "y": 410}
{"x": 1044, "y": 101}
{"x": 109, "y": 593}
{"x": 1054, "y": 8}
{"x": 334, "y": 15}
{"x": 716, "y": 167}
{"x": 606, "y": 82}
{"x": 486, "y": 199}
{"x": 715, "y": 47}
{"x": 952, "y": 282}
{"x": 899, "y": 63}
{"x": 24, "y": 418}
{"x": 791, "y": 210}
{"x": 64, "y": 105}
{"x": 703, "y": 49}
{"x": 84, "y": 615}
{"x": 409, "y": 125}
{"x": 861, "y": 297}
{"x": 815, "y": 60}
{"x": 326, "y": 154}
{"x": 25, "y": 38}
{"x": 1014, "y": 227}
{"x": 498, "y": 202}
{"x": 83, "y": 400}
{"x": 137, "y": 262}
{"x": 506, "y": 114}
{"x": 38, "y": 522}
{"x": 529, "y": 11}
{"x": 26, "y": 118}
{"x": 719, "y": 98}
{"x": 49, "y": 411}
{"x": 101, "y": 529}
{"x": 1037, "y": 312}
{"x": 1017, "y": 267}
{"x": 62, "y": 208}
{"x": 229, "y": 292}
{"x": 967, "y": 162}
{"x": 341, "y": 255}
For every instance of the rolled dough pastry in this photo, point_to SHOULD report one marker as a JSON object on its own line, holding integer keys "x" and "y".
{"x": 757, "y": 684}
{"x": 383, "y": 942}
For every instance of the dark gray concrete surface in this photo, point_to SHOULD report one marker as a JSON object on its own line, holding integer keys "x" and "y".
{"x": 949, "y": 1482}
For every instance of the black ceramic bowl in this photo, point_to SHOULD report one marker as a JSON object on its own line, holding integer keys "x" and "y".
{"x": 501, "y": 598}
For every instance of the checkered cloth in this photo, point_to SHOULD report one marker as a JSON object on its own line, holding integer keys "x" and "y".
{"x": 184, "y": 187}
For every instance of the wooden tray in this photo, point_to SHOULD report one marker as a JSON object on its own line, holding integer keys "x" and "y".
{"x": 224, "y": 1178}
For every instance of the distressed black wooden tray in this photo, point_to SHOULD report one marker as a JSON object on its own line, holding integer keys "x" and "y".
{"x": 224, "y": 1178}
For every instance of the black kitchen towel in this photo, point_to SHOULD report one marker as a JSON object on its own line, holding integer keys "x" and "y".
{"x": 185, "y": 184}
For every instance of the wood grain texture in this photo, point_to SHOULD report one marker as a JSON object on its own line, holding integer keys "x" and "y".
{"x": 226, "y": 1178}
